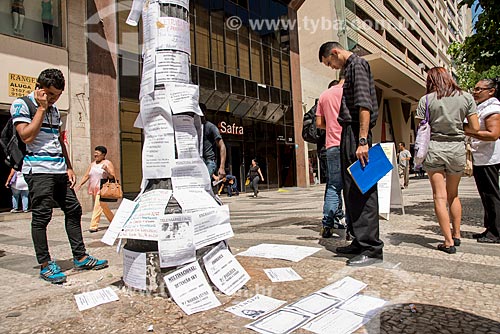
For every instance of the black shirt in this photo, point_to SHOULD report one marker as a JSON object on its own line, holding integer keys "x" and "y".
{"x": 210, "y": 135}
{"x": 359, "y": 91}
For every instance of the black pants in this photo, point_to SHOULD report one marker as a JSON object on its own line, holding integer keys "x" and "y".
{"x": 47, "y": 191}
{"x": 361, "y": 210}
{"x": 486, "y": 178}
{"x": 47, "y": 32}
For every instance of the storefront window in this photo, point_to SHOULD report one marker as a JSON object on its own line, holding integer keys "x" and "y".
{"x": 38, "y": 21}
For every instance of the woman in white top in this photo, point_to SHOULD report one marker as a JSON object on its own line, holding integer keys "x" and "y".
{"x": 100, "y": 169}
{"x": 19, "y": 189}
{"x": 486, "y": 153}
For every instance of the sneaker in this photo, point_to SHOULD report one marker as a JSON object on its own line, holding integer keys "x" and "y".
{"x": 52, "y": 273}
{"x": 326, "y": 232}
{"x": 90, "y": 263}
{"x": 338, "y": 225}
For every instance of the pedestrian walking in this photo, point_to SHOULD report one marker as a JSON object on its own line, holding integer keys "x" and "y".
{"x": 404, "y": 165}
{"x": 48, "y": 171}
{"x": 255, "y": 176}
{"x": 212, "y": 138}
{"x": 486, "y": 153}
{"x": 357, "y": 116}
{"x": 99, "y": 172}
{"x": 19, "y": 187}
{"x": 448, "y": 106}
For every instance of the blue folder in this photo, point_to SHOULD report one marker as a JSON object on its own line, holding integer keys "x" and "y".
{"x": 377, "y": 167}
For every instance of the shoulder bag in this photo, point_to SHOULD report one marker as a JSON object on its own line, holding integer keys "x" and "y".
{"x": 111, "y": 190}
{"x": 423, "y": 136}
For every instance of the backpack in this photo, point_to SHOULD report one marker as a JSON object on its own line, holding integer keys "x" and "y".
{"x": 309, "y": 130}
{"x": 13, "y": 147}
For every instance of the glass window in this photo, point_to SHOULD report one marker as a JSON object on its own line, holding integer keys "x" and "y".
{"x": 202, "y": 54}
{"x": 38, "y": 21}
{"x": 217, "y": 41}
{"x": 276, "y": 68}
{"x": 244, "y": 50}
{"x": 266, "y": 64}
{"x": 285, "y": 71}
{"x": 256, "y": 60}
{"x": 231, "y": 53}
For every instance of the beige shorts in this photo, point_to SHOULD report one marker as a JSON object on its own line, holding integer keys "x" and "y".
{"x": 445, "y": 156}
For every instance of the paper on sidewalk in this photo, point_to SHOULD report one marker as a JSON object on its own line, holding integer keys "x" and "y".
{"x": 315, "y": 303}
{"x": 335, "y": 321}
{"x": 274, "y": 251}
{"x": 344, "y": 288}
{"x": 282, "y": 321}
{"x": 255, "y": 307}
{"x": 363, "y": 305}
{"x": 282, "y": 274}
{"x": 90, "y": 299}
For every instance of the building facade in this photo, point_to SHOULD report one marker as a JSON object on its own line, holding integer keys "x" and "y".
{"x": 401, "y": 39}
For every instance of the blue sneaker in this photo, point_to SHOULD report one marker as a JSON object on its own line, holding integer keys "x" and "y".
{"x": 90, "y": 263}
{"x": 52, "y": 273}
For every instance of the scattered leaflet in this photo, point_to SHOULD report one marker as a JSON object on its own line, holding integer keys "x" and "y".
{"x": 274, "y": 251}
{"x": 190, "y": 290}
{"x": 122, "y": 216}
{"x": 282, "y": 275}
{"x": 255, "y": 307}
{"x": 315, "y": 303}
{"x": 175, "y": 242}
{"x": 363, "y": 305}
{"x": 282, "y": 321}
{"x": 344, "y": 289}
{"x": 224, "y": 270}
{"x": 335, "y": 321}
{"x": 134, "y": 269}
{"x": 90, "y": 299}
{"x": 211, "y": 225}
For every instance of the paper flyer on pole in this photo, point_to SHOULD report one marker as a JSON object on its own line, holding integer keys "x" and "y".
{"x": 255, "y": 307}
{"x": 122, "y": 215}
{"x": 190, "y": 174}
{"x": 186, "y": 137}
{"x": 224, "y": 270}
{"x": 134, "y": 269}
{"x": 195, "y": 200}
{"x": 148, "y": 75}
{"x": 211, "y": 225}
{"x": 182, "y": 3}
{"x": 183, "y": 98}
{"x": 175, "y": 240}
{"x": 171, "y": 66}
{"x": 173, "y": 34}
{"x": 190, "y": 290}
{"x": 143, "y": 223}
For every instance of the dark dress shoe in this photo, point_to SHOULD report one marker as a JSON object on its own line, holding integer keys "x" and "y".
{"x": 486, "y": 240}
{"x": 364, "y": 260}
{"x": 479, "y": 235}
{"x": 351, "y": 249}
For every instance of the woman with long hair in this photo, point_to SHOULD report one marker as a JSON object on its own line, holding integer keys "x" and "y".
{"x": 255, "y": 176}
{"x": 448, "y": 107}
{"x": 486, "y": 153}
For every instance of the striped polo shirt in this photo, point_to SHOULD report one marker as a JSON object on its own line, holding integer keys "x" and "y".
{"x": 44, "y": 153}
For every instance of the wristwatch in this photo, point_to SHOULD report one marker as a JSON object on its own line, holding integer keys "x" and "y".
{"x": 363, "y": 141}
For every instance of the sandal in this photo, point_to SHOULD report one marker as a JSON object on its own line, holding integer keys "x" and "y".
{"x": 456, "y": 242}
{"x": 449, "y": 250}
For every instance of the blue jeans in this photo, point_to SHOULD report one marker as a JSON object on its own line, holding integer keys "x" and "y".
{"x": 211, "y": 166}
{"x": 19, "y": 194}
{"x": 332, "y": 208}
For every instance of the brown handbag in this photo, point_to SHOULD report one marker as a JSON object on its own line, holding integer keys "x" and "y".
{"x": 111, "y": 190}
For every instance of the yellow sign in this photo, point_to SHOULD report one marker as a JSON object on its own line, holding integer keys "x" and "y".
{"x": 21, "y": 85}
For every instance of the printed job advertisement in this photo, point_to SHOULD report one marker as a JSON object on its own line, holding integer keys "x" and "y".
{"x": 158, "y": 156}
{"x": 194, "y": 200}
{"x": 255, "y": 307}
{"x": 186, "y": 137}
{"x": 315, "y": 303}
{"x": 183, "y": 98}
{"x": 155, "y": 113}
{"x": 212, "y": 225}
{"x": 90, "y": 299}
{"x": 282, "y": 321}
{"x": 224, "y": 270}
{"x": 183, "y": 3}
{"x": 335, "y": 321}
{"x": 144, "y": 222}
{"x": 364, "y": 305}
{"x": 172, "y": 66}
{"x": 190, "y": 290}
{"x": 135, "y": 13}
{"x": 344, "y": 288}
{"x": 134, "y": 269}
{"x": 282, "y": 274}
{"x": 175, "y": 241}
{"x": 286, "y": 252}
{"x": 148, "y": 74}
{"x": 190, "y": 174}
{"x": 173, "y": 34}
{"x": 122, "y": 215}
{"x": 150, "y": 15}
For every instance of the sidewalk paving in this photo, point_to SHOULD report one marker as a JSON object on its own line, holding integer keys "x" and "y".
{"x": 451, "y": 293}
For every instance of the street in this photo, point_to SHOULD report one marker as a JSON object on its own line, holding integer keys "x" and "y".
{"x": 449, "y": 293}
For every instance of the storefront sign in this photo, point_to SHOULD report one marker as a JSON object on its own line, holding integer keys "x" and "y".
{"x": 21, "y": 85}
{"x": 231, "y": 129}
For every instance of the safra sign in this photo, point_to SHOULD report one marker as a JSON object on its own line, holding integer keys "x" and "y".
{"x": 230, "y": 129}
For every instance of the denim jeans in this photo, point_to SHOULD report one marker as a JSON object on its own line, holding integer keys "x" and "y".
{"x": 254, "y": 184}
{"x": 19, "y": 194}
{"x": 46, "y": 190}
{"x": 211, "y": 166}
{"x": 332, "y": 208}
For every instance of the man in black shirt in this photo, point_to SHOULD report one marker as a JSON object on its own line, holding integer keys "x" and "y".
{"x": 211, "y": 138}
{"x": 358, "y": 114}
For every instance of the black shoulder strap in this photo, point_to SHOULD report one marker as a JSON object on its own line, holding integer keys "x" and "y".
{"x": 31, "y": 106}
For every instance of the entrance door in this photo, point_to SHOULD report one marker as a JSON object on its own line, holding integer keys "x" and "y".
{"x": 287, "y": 166}
{"x": 5, "y": 194}
{"x": 234, "y": 160}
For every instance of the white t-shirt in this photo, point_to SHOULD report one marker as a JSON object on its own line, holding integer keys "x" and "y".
{"x": 486, "y": 153}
